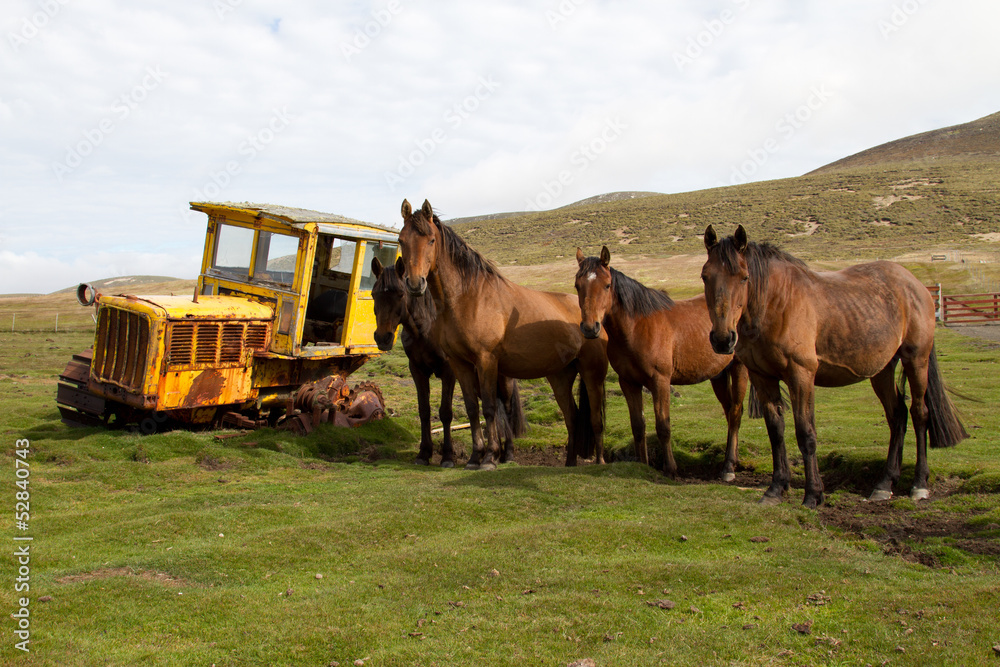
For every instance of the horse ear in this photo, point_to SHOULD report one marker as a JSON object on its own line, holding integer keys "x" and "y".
{"x": 579, "y": 256}
{"x": 400, "y": 268}
{"x": 741, "y": 238}
{"x": 376, "y": 268}
{"x": 427, "y": 210}
{"x": 407, "y": 210}
{"x": 711, "y": 239}
{"x": 605, "y": 256}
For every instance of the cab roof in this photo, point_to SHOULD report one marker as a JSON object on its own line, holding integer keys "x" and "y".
{"x": 327, "y": 223}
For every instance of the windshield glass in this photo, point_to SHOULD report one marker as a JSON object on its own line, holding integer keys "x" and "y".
{"x": 233, "y": 249}
{"x": 276, "y": 255}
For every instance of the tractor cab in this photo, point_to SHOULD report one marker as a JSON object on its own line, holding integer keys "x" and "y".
{"x": 313, "y": 268}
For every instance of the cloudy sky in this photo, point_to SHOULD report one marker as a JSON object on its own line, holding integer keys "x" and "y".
{"x": 115, "y": 114}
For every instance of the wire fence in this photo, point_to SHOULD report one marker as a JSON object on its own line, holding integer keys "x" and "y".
{"x": 27, "y": 320}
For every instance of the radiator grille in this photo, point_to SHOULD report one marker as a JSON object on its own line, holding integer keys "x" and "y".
{"x": 122, "y": 348}
{"x": 219, "y": 343}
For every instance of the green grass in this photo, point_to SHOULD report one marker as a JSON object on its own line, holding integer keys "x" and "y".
{"x": 180, "y": 549}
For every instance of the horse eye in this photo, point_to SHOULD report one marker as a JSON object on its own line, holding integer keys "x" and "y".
{"x": 744, "y": 279}
{"x": 608, "y": 286}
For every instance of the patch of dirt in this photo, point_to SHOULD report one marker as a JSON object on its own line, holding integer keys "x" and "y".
{"x": 107, "y": 573}
{"x": 900, "y": 531}
{"x": 889, "y": 200}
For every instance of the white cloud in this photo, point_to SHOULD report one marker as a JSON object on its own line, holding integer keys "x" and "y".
{"x": 364, "y": 85}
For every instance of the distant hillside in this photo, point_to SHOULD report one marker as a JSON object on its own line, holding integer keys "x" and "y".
{"x": 126, "y": 284}
{"x": 932, "y": 190}
{"x": 599, "y": 199}
{"x": 978, "y": 139}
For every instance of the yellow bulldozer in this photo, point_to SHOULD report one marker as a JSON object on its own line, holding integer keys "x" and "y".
{"x": 282, "y": 314}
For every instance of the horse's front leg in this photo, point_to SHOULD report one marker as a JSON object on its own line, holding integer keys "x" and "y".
{"x": 730, "y": 387}
{"x": 487, "y": 374}
{"x": 769, "y": 392}
{"x": 633, "y": 398}
{"x": 661, "y": 409}
{"x": 446, "y": 413}
{"x": 562, "y": 389}
{"x": 467, "y": 380}
{"x": 802, "y": 392}
{"x": 421, "y": 381}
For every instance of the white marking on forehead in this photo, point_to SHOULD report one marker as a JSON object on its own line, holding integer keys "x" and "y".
{"x": 591, "y": 276}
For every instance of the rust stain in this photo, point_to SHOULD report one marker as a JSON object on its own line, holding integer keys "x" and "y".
{"x": 205, "y": 390}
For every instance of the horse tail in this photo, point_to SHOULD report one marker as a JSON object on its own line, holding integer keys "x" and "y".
{"x": 518, "y": 422}
{"x": 755, "y": 410}
{"x": 582, "y": 429}
{"x": 944, "y": 429}
{"x": 505, "y": 430}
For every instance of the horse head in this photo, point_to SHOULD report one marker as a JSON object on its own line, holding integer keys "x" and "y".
{"x": 389, "y": 301}
{"x": 593, "y": 287}
{"x": 419, "y": 240}
{"x": 726, "y": 277}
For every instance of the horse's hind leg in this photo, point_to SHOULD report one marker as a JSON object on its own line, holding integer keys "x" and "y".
{"x": 445, "y": 412}
{"x": 506, "y": 387}
{"x": 730, "y": 387}
{"x": 917, "y": 374}
{"x": 894, "y": 406}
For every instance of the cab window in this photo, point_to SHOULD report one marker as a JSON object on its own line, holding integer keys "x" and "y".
{"x": 233, "y": 250}
{"x": 386, "y": 254}
{"x": 276, "y": 256}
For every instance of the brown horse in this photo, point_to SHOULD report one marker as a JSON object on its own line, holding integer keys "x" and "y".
{"x": 656, "y": 342}
{"x": 489, "y": 326}
{"x": 828, "y": 329}
{"x": 395, "y": 306}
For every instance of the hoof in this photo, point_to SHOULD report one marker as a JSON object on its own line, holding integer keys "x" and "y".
{"x": 812, "y": 503}
{"x": 920, "y": 494}
{"x": 421, "y": 462}
{"x": 769, "y": 501}
{"x": 728, "y": 477}
{"x": 447, "y": 464}
{"x": 488, "y": 466}
{"x": 472, "y": 466}
{"x": 879, "y": 495}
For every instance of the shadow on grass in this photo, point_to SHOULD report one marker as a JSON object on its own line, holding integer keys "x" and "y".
{"x": 525, "y": 477}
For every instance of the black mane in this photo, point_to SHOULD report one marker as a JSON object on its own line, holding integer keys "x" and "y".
{"x": 469, "y": 262}
{"x": 758, "y": 257}
{"x": 634, "y": 298}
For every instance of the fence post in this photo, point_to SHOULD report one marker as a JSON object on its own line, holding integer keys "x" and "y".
{"x": 13, "y": 318}
{"x": 940, "y": 304}
{"x": 57, "y": 322}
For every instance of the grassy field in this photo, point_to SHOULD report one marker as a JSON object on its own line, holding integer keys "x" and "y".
{"x": 181, "y": 548}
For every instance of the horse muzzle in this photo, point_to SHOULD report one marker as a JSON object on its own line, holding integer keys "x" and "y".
{"x": 385, "y": 341}
{"x": 590, "y": 331}
{"x": 418, "y": 289}
{"x": 725, "y": 344}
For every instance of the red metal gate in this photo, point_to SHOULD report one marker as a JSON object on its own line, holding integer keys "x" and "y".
{"x": 970, "y": 308}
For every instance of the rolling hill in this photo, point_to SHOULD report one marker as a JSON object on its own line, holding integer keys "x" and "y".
{"x": 933, "y": 191}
